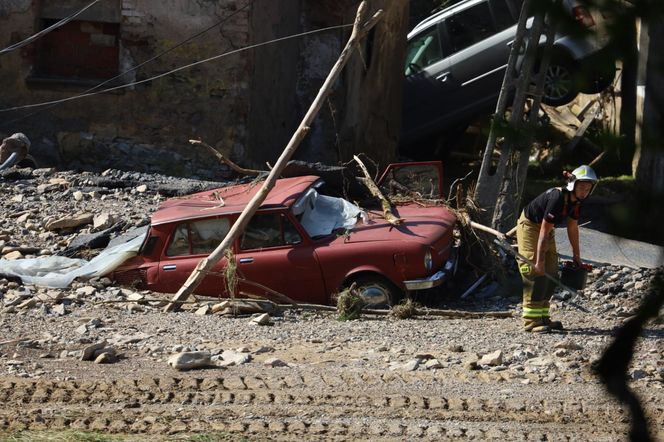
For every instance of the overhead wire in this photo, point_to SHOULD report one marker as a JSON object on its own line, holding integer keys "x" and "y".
{"x": 43, "y": 32}
{"x": 196, "y": 63}
{"x": 166, "y": 51}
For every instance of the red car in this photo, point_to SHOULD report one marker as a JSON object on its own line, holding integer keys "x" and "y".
{"x": 302, "y": 243}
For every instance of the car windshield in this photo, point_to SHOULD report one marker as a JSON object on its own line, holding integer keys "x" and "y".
{"x": 423, "y": 51}
{"x": 321, "y": 215}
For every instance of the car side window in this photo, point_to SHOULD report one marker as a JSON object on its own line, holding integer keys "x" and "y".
{"x": 207, "y": 234}
{"x": 470, "y": 26}
{"x": 269, "y": 230}
{"x": 423, "y": 50}
{"x": 501, "y": 14}
{"x": 179, "y": 244}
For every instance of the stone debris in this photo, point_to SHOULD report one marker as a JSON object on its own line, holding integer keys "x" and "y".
{"x": 262, "y": 319}
{"x": 190, "y": 360}
{"x": 274, "y": 362}
{"x": 493, "y": 359}
{"x": 69, "y": 222}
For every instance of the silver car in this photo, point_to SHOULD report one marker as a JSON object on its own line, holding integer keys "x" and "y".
{"x": 456, "y": 60}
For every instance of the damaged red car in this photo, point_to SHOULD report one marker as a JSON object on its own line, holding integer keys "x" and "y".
{"x": 303, "y": 243}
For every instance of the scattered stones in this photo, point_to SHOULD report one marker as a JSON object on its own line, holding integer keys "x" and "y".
{"x": 190, "y": 360}
{"x": 495, "y": 358}
{"x": 262, "y": 319}
{"x": 274, "y": 362}
{"x": 90, "y": 351}
{"x": 69, "y": 222}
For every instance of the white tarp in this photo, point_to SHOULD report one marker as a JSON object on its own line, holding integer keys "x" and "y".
{"x": 59, "y": 271}
{"x": 324, "y": 214}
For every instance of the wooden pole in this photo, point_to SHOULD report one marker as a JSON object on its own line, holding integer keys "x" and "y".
{"x": 205, "y": 265}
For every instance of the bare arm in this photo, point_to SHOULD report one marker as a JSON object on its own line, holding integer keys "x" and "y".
{"x": 573, "y": 235}
{"x": 540, "y": 254}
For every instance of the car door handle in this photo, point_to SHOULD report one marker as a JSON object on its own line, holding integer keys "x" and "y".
{"x": 246, "y": 260}
{"x": 443, "y": 77}
{"x": 170, "y": 267}
{"x": 510, "y": 43}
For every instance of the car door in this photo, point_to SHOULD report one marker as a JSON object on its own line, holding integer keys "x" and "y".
{"x": 479, "y": 39}
{"x": 426, "y": 86}
{"x": 274, "y": 253}
{"x": 189, "y": 242}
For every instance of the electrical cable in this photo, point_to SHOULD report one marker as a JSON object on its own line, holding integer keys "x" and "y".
{"x": 43, "y": 32}
{"x": 196, "y": 63}
{"x": 187, "y": 40}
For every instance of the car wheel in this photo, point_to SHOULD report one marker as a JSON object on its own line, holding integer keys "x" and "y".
{"x": 376, "y": 291}
{"x": 560, "y": 82}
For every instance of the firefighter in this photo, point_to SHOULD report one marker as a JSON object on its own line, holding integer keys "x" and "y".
{"x": 536, "y": 241}
{"x": 13, "y": 150}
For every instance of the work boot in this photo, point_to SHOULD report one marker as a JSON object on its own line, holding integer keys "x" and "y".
{"x": 536, "y": 326}
{"x": 553, "y": 325}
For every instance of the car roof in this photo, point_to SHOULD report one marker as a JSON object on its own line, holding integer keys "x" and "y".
{"x": 230, "y": 199}
{"x": 435, "y": 18}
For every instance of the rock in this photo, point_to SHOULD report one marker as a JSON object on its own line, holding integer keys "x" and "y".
{"x": 540, "y": 362}
{"x": 190, "y": 360}
{"x": 424, "y": 356}
{"x": 234, "y": 358}
{"x": 78, "y": 195}
{"x": 202, "y": 311}
{"x": 60, "y": 310}
{"x": 567, "y": 344}
{"x": 86, "y": 291}
{"x": 12, "y": 256}
{"x": 432, "y": 364}
{"x": 274, "y": 362}
{"x": 495, "y": 358}
{"x": 411, "y": 365}
{"x": 106, "y": 358}
{"x": 638, "y": 374}
{"x": 28, "y": 303}
{"x": 640, "y": 285}
{"x": 133, "y": 296}
{"x": 89, "y": 351}
{"x": 561, "y": 352}
{"x": 81, "y": 330}
{"x": 103, "y": 221}
{"x": 69, "y": 222}
{"x": 142, "y": 188}
{"x": 262, "y": 319}
{"x": 263, "y": 349}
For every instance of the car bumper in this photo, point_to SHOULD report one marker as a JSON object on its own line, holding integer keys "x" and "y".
{"x": 442, "y": 275}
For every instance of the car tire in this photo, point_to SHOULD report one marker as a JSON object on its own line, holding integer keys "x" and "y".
{"x": 560, "y": 83}
{"x": 376, "y": 291}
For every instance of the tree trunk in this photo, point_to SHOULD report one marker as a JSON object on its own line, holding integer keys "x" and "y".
{"x": 628, "y": 82}
{"x": 648, "y": 163}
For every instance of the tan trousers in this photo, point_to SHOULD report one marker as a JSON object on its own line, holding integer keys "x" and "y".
{"x": 537, "y": 290}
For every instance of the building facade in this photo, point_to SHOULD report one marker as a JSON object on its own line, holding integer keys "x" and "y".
{"x": 245, "y": 102}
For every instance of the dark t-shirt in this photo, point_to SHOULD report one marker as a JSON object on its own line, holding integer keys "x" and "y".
{"x": 554, "y": 206}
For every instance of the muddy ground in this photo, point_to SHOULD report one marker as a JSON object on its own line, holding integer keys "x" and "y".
{"x": 305, "y": 375}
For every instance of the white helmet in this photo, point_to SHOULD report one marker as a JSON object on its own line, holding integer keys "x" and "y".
{"x": 582, "y": 173}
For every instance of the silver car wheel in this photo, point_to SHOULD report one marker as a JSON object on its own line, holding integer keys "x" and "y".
{"x": 558, "y": 81}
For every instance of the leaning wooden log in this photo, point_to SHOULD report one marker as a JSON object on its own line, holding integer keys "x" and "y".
{"x": 375, "y": 191}
{"x": 229, "y": 163}
{"x": 206, "y": 264}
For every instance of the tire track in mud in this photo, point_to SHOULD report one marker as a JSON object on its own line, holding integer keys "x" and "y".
{"x": 322, "y": 406}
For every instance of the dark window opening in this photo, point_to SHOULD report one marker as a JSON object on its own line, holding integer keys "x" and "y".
{"x": 79, "y": 50}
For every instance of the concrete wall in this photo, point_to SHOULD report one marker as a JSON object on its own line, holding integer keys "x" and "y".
{"x": 246, "y": 105}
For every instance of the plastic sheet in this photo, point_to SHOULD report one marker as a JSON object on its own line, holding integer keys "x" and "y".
{"x": 324, "y": 214}
{"x": 59, "y": 271}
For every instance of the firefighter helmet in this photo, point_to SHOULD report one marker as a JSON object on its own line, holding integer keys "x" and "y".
{"x": 582, "y": 173}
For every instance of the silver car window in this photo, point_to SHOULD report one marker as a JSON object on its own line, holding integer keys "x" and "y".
{"x": 423, "y": 50}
